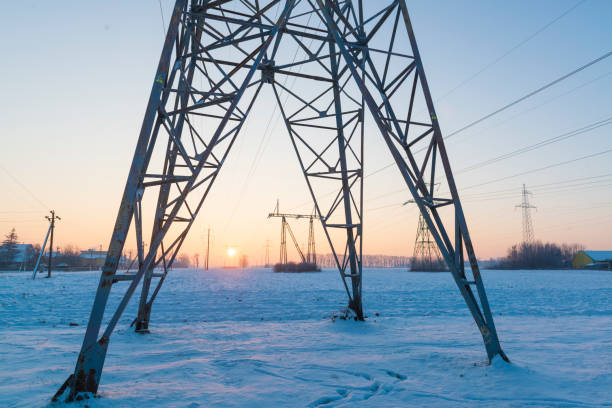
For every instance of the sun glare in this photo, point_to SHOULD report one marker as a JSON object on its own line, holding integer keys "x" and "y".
{"x": 231, "y": 252}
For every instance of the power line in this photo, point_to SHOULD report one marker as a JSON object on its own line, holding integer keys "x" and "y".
{"x": 557, "y": 190}
{"x": 561, "y": 137}
{"x": 161, "y": 11}
{"x": 404, "y": 214}
{"x": 546, "y": 142}
{"x": 266, "y": 138}
{"x": 564, "y": 210}
{"x": 486, "y": 193}
{"x": 542, "y": 189}
{"x": 520, "y": 44}
{"x": 540, "y": 168}
{"x": 547, "y": 188}
{"x": 27, "y": 190}
{"x": 529, "y": 95}
{"x": 382, "y": 207}
{"x": 259, "y": 151}
{"x": 517, "y": 152}
{"x": 557, "y": 226}
{"x": 521, "y": 99}
{"x": 512, "y": 117}
{"x": 582, "y": 85}
{"x": 561, "y": 189}
{"x": 268, "y": 131}
{"x": 543, "y": 185}
{"x": 20, "y": 212}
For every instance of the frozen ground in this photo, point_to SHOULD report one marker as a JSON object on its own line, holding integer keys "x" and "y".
{"x": 251, "y": 338}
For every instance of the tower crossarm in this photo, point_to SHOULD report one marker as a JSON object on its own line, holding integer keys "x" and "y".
{"x": 297, "y": 216}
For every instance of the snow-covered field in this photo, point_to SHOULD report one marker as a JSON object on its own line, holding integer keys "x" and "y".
{"x": 251, "y": 338}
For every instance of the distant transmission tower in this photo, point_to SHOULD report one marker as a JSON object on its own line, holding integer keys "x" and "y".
{"x": 267, "y": 260}
{"x": 527, "y": 223}
{"x": 426, "y": 255}
{"x": 355, "y": 61}
{"x": 311, "y": 255}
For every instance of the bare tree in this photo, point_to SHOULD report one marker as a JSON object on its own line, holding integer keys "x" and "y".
{"x": 182, "y": 261}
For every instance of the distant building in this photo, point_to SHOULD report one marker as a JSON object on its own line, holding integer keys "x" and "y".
{"x": 22, "y": 253}
{"x": 93, "y": 257}
{"x": 16, "y": 256}
{"x": 93, "y": 254}
{"x": 593, "y": 259}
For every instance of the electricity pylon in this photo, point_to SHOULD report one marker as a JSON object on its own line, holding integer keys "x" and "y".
{"x": 311, "y": 256}
{"x": 426, "y": 255}
{"x": 352, "y": 57}
{"x": 527, "y": 223}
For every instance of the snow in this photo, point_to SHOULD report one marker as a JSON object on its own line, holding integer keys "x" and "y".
{"x": 251, "y": 338}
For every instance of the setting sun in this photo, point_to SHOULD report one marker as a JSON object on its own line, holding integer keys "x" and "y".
{"x": 231, "y": 252}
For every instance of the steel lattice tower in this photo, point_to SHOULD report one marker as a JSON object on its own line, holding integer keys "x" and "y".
{"x": 527, "y": 223}
{"x": 426, "y": 251}
{"x": 354, "y": 61}
{"x": 311, "y": 255}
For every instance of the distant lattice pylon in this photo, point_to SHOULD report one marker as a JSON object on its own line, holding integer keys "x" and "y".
{"x": 426, "y": 252}
{"x": 527, "y": 222}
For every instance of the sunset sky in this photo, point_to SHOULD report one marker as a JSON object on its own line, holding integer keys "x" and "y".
{"x": 77, "y": 76}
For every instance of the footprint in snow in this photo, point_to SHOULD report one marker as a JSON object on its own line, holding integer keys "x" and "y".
{"x": 328, "y": 400}
{"x": 396, "y": 375}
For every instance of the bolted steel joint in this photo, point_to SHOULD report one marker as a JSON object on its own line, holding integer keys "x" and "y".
{"x": 267, "y": 71}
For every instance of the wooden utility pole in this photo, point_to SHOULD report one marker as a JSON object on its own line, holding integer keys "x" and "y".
{"x": 42, "y": 251}
{"x": 51, "y": 228}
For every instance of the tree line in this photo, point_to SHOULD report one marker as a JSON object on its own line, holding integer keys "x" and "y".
{"x": 67, "y": 257}
{"x": 369, "y": 261}
{"x": 539, "y": 255}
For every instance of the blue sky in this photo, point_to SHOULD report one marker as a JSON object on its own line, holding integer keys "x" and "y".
{"x": 77, "y": 76}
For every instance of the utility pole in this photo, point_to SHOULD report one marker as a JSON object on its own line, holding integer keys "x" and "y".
{"x": 267, "y": 260}
{"x": 207, "y": 248}
{"x": 52, "y": 228}
{"x": 42, "y": 251}
{"x": 51, "y": 219}
{"x": 283, "y": 242}
{"x": 312, "y": 252}
{"x": 527, "y": 223}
